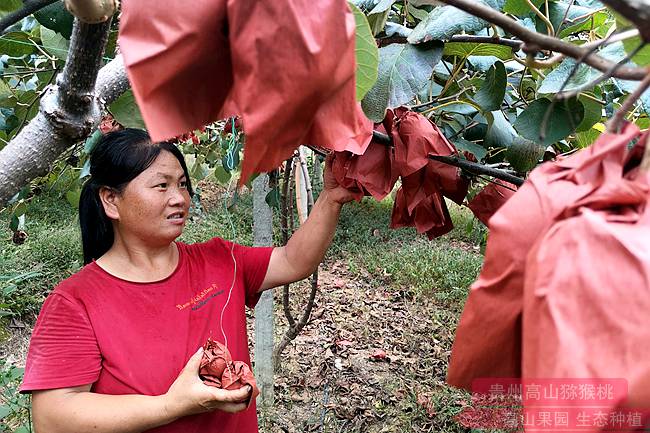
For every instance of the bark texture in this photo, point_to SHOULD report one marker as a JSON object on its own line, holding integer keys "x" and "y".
{"x": 69, "y": 110}
{"x": 263, "y": 236}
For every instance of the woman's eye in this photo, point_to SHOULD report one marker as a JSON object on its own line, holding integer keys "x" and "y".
{"x": 161, "y": 185}
{"x": 183, "y": 184}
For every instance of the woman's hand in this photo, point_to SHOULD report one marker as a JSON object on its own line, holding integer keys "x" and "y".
{"x": 188, "y": 395}
{"x": 335, "y": 192}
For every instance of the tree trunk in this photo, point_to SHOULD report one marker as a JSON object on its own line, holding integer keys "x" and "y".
{"x": 69, "y": 110}
{"x": 263, "y": 236}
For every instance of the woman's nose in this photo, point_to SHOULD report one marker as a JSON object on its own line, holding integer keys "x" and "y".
{"x": 178, "y": 197}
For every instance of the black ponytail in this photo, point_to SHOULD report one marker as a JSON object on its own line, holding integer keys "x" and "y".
{"x": 118, "y": 158}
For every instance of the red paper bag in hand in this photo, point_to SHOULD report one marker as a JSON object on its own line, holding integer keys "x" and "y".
{"x": 286, "y": 67}
{"x": 219, "y": 370}
{"x": 488, "y": 339}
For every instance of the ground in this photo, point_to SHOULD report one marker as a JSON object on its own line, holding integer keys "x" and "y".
{"x": 374, "y": 355}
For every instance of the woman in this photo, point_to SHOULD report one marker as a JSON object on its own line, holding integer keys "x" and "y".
{"x": 110, "y": 341}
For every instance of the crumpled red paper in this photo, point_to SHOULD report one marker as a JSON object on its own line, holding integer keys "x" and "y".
{"x": 286, "y": 67}
{"x": 490, "y": 199}
{"x": 420, "y": 200}
{"x": 489, "y": 337}
{"x": 219, "y": 370}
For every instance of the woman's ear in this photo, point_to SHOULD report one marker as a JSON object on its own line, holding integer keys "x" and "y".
{"x": 109, "y": 198}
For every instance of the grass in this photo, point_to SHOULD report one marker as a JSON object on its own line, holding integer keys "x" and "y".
{"x": 401, "y": 261}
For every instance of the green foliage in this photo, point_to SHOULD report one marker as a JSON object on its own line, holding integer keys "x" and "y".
{"x": 445, "y": 21}
{"x": 564, "y": 116}
{"x": 367, "y": 54}
{"x": 56, "y": 17}
{"x": 14, "y": 407}
{"x": 403, "y": 73}
{"x": 493, "y": 90}
{"x": 125, "y": 110}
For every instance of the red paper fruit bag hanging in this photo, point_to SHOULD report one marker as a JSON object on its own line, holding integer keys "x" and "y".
{"x": 587, "y": 296}
{"x": 286, "y": 67}
{"x": 488, "y": 337}
{"x": 420, "y": 199}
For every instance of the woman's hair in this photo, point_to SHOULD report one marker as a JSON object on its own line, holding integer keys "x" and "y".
{"x": 117, "y": 159}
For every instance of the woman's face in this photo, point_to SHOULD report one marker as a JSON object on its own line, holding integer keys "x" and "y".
{"x": 154, "y": 206}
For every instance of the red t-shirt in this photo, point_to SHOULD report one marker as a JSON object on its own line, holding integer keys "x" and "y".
{"x": 135, "y": 338}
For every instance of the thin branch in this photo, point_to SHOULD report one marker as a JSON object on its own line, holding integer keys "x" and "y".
{"x": 29, "y": 7}
{"x": 606, "y": 76}
{"x": 616, "y": 122}
{"x": 537, "y": 41}
{"x": 468, "y": 166}
{"x": 512, "y": 43}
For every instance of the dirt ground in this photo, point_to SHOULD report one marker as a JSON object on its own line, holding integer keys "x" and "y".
{"x": 368, "y": 361}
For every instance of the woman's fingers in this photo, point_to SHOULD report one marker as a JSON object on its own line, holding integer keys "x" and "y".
{"x": 234, "y": 396}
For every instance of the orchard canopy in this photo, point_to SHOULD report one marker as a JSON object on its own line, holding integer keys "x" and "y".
{"x": 511, "y": 83}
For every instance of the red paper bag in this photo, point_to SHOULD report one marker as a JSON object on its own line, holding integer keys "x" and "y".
{"x": 286, "y": 67}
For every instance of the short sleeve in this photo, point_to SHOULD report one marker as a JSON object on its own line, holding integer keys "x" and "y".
{"x": 254, "y": 262}
{"x": 63, "y": 350}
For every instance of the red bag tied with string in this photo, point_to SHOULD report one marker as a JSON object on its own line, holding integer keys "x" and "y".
{"x": 420, "y": 199}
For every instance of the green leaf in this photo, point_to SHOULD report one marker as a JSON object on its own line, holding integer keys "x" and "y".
{"x": 554, "y": 81}
{"x": 73, "y": 197}
{"x": 466, "y": 49}
{"x": 490, "y": 95}
{"x": 5, "y": 91}
{"x": 642, "y": 58}
{"x": 273, "y": 198}
{"x": 13, "y": 224}
{"x": 56, "y": 17}
{"x": 445, "y": 21}
{"x": 469, "y": 146}
{"x": 9, "y": 6}
{"x": 54, "y": 43}
{"x": 92, "y": 141}
{"x": 586, "y": 138}
{"x": 500, "y": 132}
{"x": 593, "y": 113}
{"x": 403, "y": 71}
{"x": 16, "y": 44}
{"x": 125, "y": 110}
{"x": 4, "y": 411}
{"x": 523, "y": 155}
{"x": 382, "y": 6}
{"x": 377, "y": 22}
{"x": 520, "y": 7}
{"x": 222, "y": 175}
{"x": 563, "y": 119}
{"x": 367, "y": 54}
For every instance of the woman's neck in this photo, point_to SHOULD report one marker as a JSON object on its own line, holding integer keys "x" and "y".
{"x": 138, "y": 262}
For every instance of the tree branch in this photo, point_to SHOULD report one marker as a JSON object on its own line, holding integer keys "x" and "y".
{"x": 468, "y": 166}
{"x": 512, "y": 43}
{"x": 68, "y": 110}
{"x": 537, "y": 41}
{"x": 29, "y": 7}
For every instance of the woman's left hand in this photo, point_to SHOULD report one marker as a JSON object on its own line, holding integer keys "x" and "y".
{"x": 335, "y": 192}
